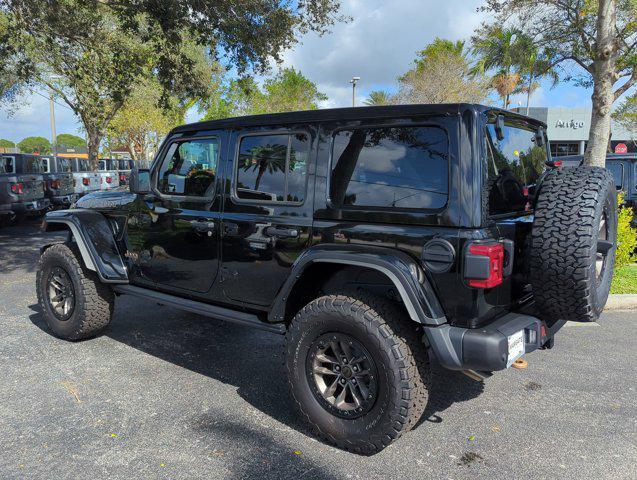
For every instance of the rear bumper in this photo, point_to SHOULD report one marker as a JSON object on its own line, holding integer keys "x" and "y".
{"x": 486, "y": 349}
{"x": 64, "y": 200}
{"x": 32, "y": 206}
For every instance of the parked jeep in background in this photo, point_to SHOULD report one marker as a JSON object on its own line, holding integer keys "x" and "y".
{"x": 109, "y": 175}
{"x": 59, "y": 185}
{"x": 85, "y": 179}
{"x": 124, "y": 167}
{"x": 23, "y": 184}
{"x": 6, "y": 214}
{"x": 624, "y": 170}
{"x": 376, "y": 239}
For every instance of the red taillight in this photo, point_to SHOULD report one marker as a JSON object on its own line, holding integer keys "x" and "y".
{"x": 55, "y": 184}
{"x": 122, "y": 177}
{"x": 557, "y": 163}
{"x": 86, "y": 181}
{"x": 109, "y": 179}
{"x": 495, "y": 254}
{"x": 17, "y": 188}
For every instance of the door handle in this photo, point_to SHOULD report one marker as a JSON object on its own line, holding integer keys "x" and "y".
{"x": 281, "y": 232}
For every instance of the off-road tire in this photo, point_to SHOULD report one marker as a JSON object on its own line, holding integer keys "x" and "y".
{"x": 94, "y": 301}
{"x": 395, "y": 344}
{"x": 566, "y": 227}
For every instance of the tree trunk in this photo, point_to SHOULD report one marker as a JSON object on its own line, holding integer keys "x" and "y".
{"x": 604, "y": 76}
{"x": 94, "y": 140}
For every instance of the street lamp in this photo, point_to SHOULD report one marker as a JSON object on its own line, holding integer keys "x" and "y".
{"x": 354, "y": 81}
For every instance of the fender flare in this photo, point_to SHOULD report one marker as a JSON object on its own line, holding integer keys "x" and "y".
{"x": 402, "y": 270}
{"x": 95, "y": 240}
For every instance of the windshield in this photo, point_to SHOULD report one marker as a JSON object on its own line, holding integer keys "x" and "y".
{"x": 515, "y": 161}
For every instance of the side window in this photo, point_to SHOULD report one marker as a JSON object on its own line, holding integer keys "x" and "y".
{"x": 394, "y": 167}
{"x": 189, "y": 168}
{"x": 272, "y": 168}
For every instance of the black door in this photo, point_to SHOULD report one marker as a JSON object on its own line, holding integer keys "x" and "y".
{"x": 267, "y": 214}
{"x": 174, "y": 239}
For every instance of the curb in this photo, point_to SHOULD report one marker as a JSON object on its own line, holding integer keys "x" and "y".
{"x": 624, "y": 301}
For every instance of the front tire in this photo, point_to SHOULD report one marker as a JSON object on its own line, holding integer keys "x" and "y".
{"x": 365, "y": 410}
{"x": 74, "y": 303}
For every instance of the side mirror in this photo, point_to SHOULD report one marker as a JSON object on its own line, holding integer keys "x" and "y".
{"x": 139, "y": 181}
{"x": 499, "y": 127}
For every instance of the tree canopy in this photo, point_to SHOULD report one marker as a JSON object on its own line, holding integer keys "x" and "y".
{"x": 70, "y": 141}
{"x": 92, "y": 54}
{"x": 442, "y": 74}
{"x": 4, "y": 143}
{"x": 626, "y": 115}
{"x": 39, "y": 145}
{"x": 288, "y": 90}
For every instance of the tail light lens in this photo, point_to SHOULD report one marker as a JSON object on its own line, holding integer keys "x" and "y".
{"x": 86, "y": 181}
{"x": 109, "y": 179}
{"x": 557, "y": 163}
{"x": 484, "y": 264}
{"x": 122, "y": 177}
{"x": 55, "y": 184}
{"x": 17, "y": 188}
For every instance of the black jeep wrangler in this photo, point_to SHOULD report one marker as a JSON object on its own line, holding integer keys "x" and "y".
{"x": 377, "y": 240}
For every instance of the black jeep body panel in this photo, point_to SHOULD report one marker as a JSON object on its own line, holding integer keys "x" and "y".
{"x": 235, "y": 248}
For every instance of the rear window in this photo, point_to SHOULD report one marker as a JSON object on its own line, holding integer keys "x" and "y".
{"x": 393, "y": 167}
{"x": 33, "y": 165}
{"x": 64, "y": 165}
{"x": 514, "y": 164}
{"x": 83, "y": 165}
{"x": 7, "y": 165}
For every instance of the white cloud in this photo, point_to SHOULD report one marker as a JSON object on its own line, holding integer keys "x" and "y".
{"x": 379, "y": 44}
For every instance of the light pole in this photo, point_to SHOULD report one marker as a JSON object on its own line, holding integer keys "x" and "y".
{"x": 354, "y": 81}
{"x": 54, "y": 142}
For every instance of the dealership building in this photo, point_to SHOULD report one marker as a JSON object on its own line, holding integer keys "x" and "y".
{"x": 567, "y": 129}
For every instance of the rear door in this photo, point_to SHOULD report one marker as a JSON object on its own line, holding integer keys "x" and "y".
{"x": 267, "y": 214}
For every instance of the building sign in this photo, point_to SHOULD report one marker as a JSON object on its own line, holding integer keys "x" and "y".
{"x": 574, "y": 124}
{"x": 621, "y": 148}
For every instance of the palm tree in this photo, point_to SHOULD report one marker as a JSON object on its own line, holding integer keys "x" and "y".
{"x": 498, "y": 49}
{"x": 534, "y": 65}
{"x": 378, "y": 97}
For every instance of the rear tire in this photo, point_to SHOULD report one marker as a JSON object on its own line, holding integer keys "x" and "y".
{"x": 75, "y": 304}
{"x": 396, "y": 394}
{"x": 573, "y": 243}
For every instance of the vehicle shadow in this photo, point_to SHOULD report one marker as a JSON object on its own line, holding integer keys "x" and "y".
{"x": 19, "y": 246}
{"x": 248, "y": 359}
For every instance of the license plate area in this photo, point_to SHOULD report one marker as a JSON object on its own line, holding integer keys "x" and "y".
{"x": 516, "y": 347}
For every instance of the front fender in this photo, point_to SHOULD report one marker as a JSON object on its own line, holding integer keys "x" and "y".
{"x": 403, "y": 271}
{"x": 94, "y": 237}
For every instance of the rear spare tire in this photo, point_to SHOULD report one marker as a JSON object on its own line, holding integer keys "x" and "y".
{"x": 573, "y": 243}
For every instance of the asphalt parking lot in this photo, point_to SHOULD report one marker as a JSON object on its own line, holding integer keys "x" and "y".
{"x": 165, "y": 394}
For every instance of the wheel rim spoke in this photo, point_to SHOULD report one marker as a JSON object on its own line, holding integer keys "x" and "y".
{"x": 342, "y": 374}
{"x": 61, "y": 294}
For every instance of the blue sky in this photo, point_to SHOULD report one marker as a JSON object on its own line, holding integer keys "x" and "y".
{"x": 378, "y": 45}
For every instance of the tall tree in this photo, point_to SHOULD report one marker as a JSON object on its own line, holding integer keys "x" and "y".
{"x": 500, "y": 49}
{"x": 39, "y": 145}
{"x": 441, "y": 75}
{"x": 6, "y": 143}
{"x": 92, "y": 54}
{"x": 141, "y": 123}
{"x": 600, "y": 36}
{"x": 378, "y": 97}
{"x": 70, "y": 141}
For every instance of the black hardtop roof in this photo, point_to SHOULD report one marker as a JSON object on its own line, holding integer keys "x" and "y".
{"x": 609, "y": 156}
{"x": 351, "y": 113}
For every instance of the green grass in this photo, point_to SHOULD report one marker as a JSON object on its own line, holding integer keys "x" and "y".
{"x": 625, "y": 280}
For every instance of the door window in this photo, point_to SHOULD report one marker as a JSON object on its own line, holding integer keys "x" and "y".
{"x": 272, "y": 168}
{"x": 189, "y": 168}
{"x": 7, "y": 165}
{"x": 394, "y": 167}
